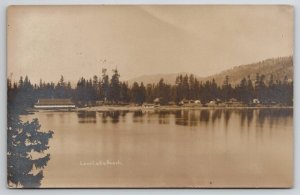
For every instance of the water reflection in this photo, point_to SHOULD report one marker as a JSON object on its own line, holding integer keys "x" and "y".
{"x": 192, "y": 117}
{"x": 138, "y": 116}
{"x": 249, "y": 116}
{"x": 181, "y": 118}
{"x": 216, "y": 115}
{"x": 164, "y": 117}
{"x": 86, "y": 117}
{"x": 112, "y": 116}
{"x": 227, "y": 115}
{"x": 226, "y": 142}
{"x": 204, "y": 116}
{"x": 274, "y": 116}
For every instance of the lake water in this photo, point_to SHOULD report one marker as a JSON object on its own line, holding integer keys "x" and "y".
{"x": 183, "y": 148}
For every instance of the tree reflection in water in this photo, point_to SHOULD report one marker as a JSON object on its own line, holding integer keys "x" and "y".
{"x": 181, "y": 118}
{"x": 86, "y": 117}
{"x": 163, "y": 116}
{"x": 216, "y": 115}
{"x": 115, "y": 116}
{"x": 192, "y": 117}
{"x": 227, "y": 115}
{"x": 204, "y": 116}
{"x": 274, "y": 116}
{"x": 249, "y": 115}
{"x": 138, "y": 116}
{"x": 106, "y": 116}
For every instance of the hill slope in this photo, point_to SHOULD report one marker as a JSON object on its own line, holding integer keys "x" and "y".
{"x": 279, "y": 67}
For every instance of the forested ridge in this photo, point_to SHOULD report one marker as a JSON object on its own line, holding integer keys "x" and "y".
{"x": 278, "y": 67}
{"x": 109, "y": 89}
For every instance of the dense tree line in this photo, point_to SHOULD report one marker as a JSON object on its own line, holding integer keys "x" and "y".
{"x": 111, "y": 90}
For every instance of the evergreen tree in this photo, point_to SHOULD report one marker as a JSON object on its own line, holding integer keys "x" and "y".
{"x": 163, "y": 92}
{"x": 96, "y": 89}
{"x": 150, "y": 93}
{"x": 115, "y": 87}
{"x": 22, "y": 140}
{"x": 125, "y": 93}
{"x": 105, "y": 84}
{"x": 80, "y": 92}
{"x": 242, "y": 92}
{"x": 226, "y": 90}
{"x": 250, "y": 89}
{"x": 179, "y": 88}
{"x": 142, "y": 93}
{"x": 135, "y": 92}
{"x": 185, "y": 87}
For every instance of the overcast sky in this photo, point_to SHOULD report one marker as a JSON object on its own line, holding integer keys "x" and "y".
{"x": 74, "y": 41}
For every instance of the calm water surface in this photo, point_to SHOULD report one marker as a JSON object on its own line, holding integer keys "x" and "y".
{"x": 229, "y": 148}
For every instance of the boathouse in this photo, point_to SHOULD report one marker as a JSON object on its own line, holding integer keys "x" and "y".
{"x": 54, "y": 104}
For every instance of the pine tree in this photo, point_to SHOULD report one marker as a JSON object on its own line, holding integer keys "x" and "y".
{"x": 142, "y": 93}
{"x": 149, "y": 93}
{"x": 135, "y": 90}
{"x": 105, "y": 84}
{"x": 125, "y": 93}
{"x": 115, "y": 87}
{"x": 226, "y": 89}
{"x": 22, "y": 140}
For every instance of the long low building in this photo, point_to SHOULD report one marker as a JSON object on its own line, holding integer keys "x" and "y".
{"x": 54, "y": 104}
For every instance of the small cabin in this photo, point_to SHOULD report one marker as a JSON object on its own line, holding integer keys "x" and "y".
{"x": 197, "y": 102}
{"x": 211, "y": 103}
{"x": 190, "y": 103}
{"x": 156, "y": 101}
{"x": 183, "y": 102}
{"x": 54, "y": 104}
{"x": 256, "y": 101}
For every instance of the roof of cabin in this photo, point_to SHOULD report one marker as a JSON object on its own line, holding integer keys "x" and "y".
{"x": 54, "y": 102}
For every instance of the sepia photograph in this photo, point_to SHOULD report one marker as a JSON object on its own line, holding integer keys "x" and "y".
{"x": 150, "y": 96}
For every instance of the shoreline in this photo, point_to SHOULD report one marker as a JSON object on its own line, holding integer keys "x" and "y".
{"x": 159, "y": 108}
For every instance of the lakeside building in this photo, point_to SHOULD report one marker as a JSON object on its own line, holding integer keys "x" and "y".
{"x": 191, "y": 103}
{"x": 212, "y": 103}
{"x": 54, "y": 104}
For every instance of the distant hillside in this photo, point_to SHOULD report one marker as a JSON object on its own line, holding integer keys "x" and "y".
{"x": 279, "y": 67}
